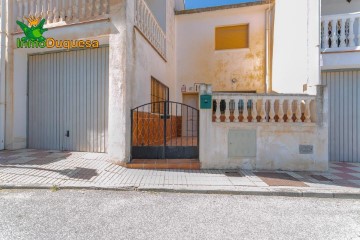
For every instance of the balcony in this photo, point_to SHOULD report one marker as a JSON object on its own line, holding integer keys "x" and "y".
{"x": 61, "y": 12}
{"x": 340, "y": 33}
{"x": 146, "y": 23}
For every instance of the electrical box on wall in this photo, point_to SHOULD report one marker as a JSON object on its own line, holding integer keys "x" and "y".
{"x": 205, "y": 96}
{"x": 205, "y": 102}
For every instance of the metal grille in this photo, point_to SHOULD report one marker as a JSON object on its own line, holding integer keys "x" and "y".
{"x": 68, "y": 100}
{"x": 171, "y": 134}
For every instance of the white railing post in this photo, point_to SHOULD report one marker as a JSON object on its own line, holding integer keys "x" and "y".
{"x": 245, "y": 110}
{"x": 351, "y": 32}
{"x": 281, "y": 110}
{"x": 218, "y": 112}
{"x": 334, "y": 36}
{"x": 263, "y": 110}
{"x": 326, "y": 34}
{"x": 227, "y": 110}
{"x": 236, "y": 110}
{"x": 307, "y": 111}
{"x": 254, "y": 112}
{"x": 271, "y": 110}
{"x": 289, "y": 112}
{"x": 342, "y": 32}
{"x": 298, "y": 111}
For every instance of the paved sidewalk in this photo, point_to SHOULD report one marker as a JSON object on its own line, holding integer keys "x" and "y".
{"x": 44, "y": 169}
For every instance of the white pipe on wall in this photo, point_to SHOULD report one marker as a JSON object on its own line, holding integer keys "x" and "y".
{"x": 2, "y": 72}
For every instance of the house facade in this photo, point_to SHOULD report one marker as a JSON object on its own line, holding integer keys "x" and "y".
{"x": 236, "y": 86}
{"x": 340, "y": 62}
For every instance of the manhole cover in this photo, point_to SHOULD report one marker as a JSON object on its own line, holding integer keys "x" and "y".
{"x": 233, "y": 174}
{"x": 279, "y": 179}
{"x": 321, "y": 178}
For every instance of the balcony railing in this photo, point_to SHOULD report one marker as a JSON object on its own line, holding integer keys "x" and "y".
{"x": 261, "y": 108}
{"x": 147, "y": 24}
{"x": 56, "y": 11}
{"x": 340, "y": 32}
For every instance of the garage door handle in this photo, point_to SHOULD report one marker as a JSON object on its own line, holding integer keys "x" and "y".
{"x": 67, "y": 134}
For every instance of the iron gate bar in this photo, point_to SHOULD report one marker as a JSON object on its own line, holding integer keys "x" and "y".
{"x": 156, "y": 148}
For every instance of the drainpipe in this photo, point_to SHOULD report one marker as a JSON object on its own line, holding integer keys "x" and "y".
{"x": 2, "y": 73}
{"x": 267, "y": 47}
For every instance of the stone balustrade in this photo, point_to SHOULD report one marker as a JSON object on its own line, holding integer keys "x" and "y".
{"x": 339, "y": 32}
{"x": 55, "y": 11}
{"x": 147, "y": 24}
{"x": 261, "y": 108}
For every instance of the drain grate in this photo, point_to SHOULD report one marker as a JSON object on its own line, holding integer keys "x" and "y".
{"x": 321, "y": 178}
{"x": 233, "y": 174}
{"x": 279, "y": 179}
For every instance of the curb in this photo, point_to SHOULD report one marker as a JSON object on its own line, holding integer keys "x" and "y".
{"x": 261, "y": 192}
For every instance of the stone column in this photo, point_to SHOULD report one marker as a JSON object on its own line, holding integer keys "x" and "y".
{"x": 119, "y": 84}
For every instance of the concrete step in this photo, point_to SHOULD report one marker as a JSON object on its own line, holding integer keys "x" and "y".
{"x": 184, "y": 164}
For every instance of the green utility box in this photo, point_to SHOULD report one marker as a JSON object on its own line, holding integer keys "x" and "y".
{"x": 206, "y": 102}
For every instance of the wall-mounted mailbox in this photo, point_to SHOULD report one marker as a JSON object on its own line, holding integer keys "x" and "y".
{"x": 205, "y": 102}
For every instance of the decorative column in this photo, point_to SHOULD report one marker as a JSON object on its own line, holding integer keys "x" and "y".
{"x": 254, "y": 112}
{"x": 342, "y": 33}
{"x": 334, "y": 37}
{"x": 307, "y": 111}
{"x": 262, "y": 111}
{"x": 227, "y": 110}
{"x": 298, "y": 111}
{"x": 351, "y": 32}
{"x": 289, "y": 112}
{"x": 218, "y": 112}
{"x": 245, "y": 111}
{"x": 236, "y": 110}
{"x": 281, "y": 110}
{"x": 271, "y": 110}
{"x": 326, "y": 38}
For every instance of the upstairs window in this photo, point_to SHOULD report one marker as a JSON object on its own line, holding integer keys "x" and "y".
{"x": 232, "y": 37}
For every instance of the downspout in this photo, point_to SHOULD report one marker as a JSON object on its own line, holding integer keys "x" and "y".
{"x": 2, "y": 73}
{"x": 267, "y": 47}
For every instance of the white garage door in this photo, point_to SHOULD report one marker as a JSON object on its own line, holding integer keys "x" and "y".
{"x": 68, "y": 100}
{"x": 344, "y": 113}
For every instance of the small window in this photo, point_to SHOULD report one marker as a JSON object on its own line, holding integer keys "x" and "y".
{"x": 159, "y": 93}
{"x": 232, "y": 37}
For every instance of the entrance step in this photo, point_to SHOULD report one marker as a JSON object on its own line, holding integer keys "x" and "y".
{"x": 184, "y": 164}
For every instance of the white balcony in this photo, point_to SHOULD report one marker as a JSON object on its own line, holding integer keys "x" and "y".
{"x": 58, "y": 12}
{"x": 340, "y": 33}
{"x": 146, "y": 23}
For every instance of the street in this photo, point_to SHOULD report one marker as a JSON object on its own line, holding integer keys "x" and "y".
{"x": 67, "y": 214}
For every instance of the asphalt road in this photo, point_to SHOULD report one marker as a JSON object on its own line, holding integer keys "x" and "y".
{"x": 135, "y": 215}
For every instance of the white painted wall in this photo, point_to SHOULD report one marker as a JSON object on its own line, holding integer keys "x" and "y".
{"x": 147, "y": 63}
{"x": 296, "y": 46}
{"x": 331, "y": 7}
{"x": 198, "y": 62}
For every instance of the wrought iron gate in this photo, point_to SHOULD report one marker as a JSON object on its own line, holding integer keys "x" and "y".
{"x": 165, "y": 130}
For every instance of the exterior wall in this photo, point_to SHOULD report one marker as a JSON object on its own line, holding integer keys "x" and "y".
{"x": 107, "y": 32}
{"x": 148, "y": 63}
{"x": 277, "y": 146}
{"x": 345, "y": 58}
{"x": 331, "y": 7}
{"x": 296, "y": 46}
{"x": 198, "y": 62}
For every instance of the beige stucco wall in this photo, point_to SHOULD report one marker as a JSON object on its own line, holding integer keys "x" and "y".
{"x": 277, "y": 145}
{"x": 198, "y": 62}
